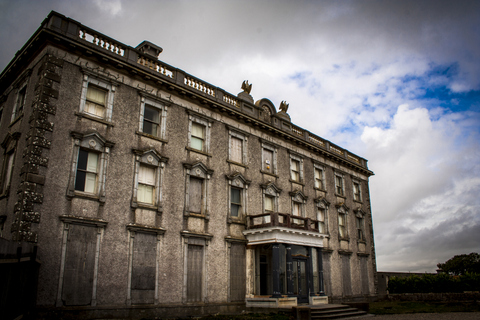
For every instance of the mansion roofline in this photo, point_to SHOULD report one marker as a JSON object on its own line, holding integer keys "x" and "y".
{"x": 143, "y": 61}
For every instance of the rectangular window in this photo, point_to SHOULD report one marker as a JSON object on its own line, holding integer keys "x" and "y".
{"x": 20, "y": 103}
{"x": 195, "y": 196}
{"x": 339, "y": 185}
{"x": 297, "y": 209}
{"x": 198, "y": 136}
{"x": 268, "y": 161}
{"x": 321, "y": 220}
{"x": 7, "y": 173}
{"x": 269, "y": 203}
{"x": 146, "y": 184}
{"x": 194, "y": 273}
{"x": 360, "y": 229}
{"x": 295, "y": 169}
{"x": 236, "y": 150}
{"x": 87, "y": 169}
{"x": 235, "y": 201}
{"x": 357, "y": 195}
{"x": 319, "y": 179}
{"x": 342, "y": 223}
{"x": 96, "y": 101}
{"x": 151, "y": 120}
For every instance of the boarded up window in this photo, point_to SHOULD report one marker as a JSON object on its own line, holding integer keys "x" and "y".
{"x": 146, "y": 185}
{"x": 237, "y": 272}
{"x": 364, "y": 274}
{"x": 195, "y": 195}
{"x": 327, "y": 280}
{"x": 143, "y": 268}
{"x": 79, "y": 265}
{"x": 236, "y": 149}
{"x": 346, "y": 276}
{"x": 194, "y": 273}
{"x": 268, "y": 160}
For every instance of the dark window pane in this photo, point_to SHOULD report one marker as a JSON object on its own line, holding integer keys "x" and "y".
{"x": 235, "y": 210}
{"x": 80, "y": 181}
{"x": 151, "y": 114}
{"x": 235, "y": 195}
{"x": 82, "y": 160}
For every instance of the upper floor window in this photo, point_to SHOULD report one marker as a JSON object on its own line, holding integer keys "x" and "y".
{"x": 270, "y": 194}
{"x": 87, "y": 171}
{"x": 97, "y": 98}
{"x": 342, "y": 222}
{"x": 9, "y": 146}
{"x": 321, "y": 205}
{"x": 319, "y": 176}
{"x": 238, "y": 186}
{"x": 199, "y": 133}
{"x": 357, "y": 192}
{"x": 269, "y": 158}
{"x": 360, "y": 224}
{"x": 20, "y": 102}
{"x": 89, "y": 166}
{"x": 339, "y": 184}
{"x": 296, "y": 168}
{"x": 237, "y": 150}
{"x": 197, "y": 189}
{"x": 153, "y": 118}
{"x": 148, "y": 175}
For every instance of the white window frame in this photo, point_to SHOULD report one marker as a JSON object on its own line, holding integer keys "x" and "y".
{"x": 273, "y": 149}
{"x": 15, "y": 112}
{"x": 342, "y": 211}
{"x": 294, "y": 157}
{"x": 270, "y": 190}
{"x": 341, "y": 176}
{"x": 110, "y": 90}
{"x": 162, "y": 110}
{"x": 359, "y": 184}
{"x": 152, "y": 159}
{"x": 300, "y": 199}
{"x": 244, "y": 140}
{"x": 204, "y": 122}
{"x": 321, "y": 169}
{"x": 92, "y": 143}
{"x": 360, "y": 219}
{"x": 199, "y": 171}
{"x": 322, "y": 204}
{"x": 239, "y": 182}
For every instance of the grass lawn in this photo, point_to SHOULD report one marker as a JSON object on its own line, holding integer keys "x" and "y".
{"x": 400, "y": 307}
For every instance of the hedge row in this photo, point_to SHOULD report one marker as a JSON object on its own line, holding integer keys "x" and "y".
{"x": 437, "y": 283}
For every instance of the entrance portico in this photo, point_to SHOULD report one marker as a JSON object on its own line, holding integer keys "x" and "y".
{"x": 286, "y": 260}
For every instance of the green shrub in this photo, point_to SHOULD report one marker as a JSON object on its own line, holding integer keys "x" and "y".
{"x": 436, "y": 283}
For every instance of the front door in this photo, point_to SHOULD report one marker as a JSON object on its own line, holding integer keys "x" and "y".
{"x": 300, "y": 288}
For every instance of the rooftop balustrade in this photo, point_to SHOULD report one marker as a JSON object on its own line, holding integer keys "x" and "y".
{"x": 134, "y": 60}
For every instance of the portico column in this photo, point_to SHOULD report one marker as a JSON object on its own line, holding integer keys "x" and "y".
{"x": 309, "y": 270}
{"x": 276, "y": 270}
{"x": 320, "y": 271}
{"x": 289, "y": 270}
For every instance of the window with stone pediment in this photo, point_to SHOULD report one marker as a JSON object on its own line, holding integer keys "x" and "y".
{"x": 237, "y": 200}
{"x": 321, "y": 206}
{"x": 197, "y": 189}
{"x": 342, "y": 222}
{"x": 149, "y": 166}
{"x": 360, "y": 225}
{"x": 89, "y": 166}
{"x": 270, "y": 193}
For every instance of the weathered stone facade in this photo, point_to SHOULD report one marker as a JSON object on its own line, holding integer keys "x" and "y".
{"x": 147, "y": 188}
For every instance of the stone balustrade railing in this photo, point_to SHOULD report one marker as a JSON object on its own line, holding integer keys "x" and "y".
{"x": 277, "y": 219}
{"x": 127, "y": 56}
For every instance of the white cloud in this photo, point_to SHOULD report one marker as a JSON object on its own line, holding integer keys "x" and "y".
{"x": 113, "y": 7}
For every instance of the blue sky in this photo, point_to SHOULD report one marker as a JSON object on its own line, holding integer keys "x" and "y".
{"x": 397, "y": 82}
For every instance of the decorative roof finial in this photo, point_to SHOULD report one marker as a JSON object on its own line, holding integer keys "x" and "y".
{"x": 246, "y": 87}
{"x": 284, "y": 106}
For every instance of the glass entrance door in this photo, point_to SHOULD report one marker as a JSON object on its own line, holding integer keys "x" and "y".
{"x": 300, "y": 288}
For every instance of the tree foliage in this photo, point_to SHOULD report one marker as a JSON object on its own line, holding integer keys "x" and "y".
{"x": 437, "y": 283}
{"x": 462, "y": 264}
